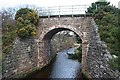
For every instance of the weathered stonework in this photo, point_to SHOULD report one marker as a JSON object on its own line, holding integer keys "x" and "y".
{"x": 50, "y": 26}
{"x": 97, "y": 62}
{"x": 28, "y": 55}
{"x": 21, "y": 59}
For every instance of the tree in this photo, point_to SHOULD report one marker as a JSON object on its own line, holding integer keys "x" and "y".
{"x": 97, "y": 6}
{"x": 107, "y": 17}
{"x": 8, "y": 29}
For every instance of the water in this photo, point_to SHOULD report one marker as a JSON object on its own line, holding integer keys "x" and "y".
{"x": 61, "y": 67}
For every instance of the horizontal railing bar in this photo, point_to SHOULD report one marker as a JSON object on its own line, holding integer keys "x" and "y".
{"x": 67, "y": 9}
{"x": 60, "y": 7}
{"x": 68, "y": 6}
{"x": 63, "y": 10}
{"x": 59, "y": 10}
{"x": 66, "y": 15}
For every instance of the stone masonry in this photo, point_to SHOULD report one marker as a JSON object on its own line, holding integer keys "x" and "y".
{"x": 21, "y": 59}
{"x": 31, "y": 54}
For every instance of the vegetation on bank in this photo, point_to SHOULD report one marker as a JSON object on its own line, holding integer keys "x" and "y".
{"x": 107, "y": 18}
{"x": 22, "y": 26}
{"x": 78, "y": 51}
{"x": 8, "y": 34}
{"x": 77, "y": 54}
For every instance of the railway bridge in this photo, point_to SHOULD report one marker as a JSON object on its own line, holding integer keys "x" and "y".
{"x": 35, "y": 53}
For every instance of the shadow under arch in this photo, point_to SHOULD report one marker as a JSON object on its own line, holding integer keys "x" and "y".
{"x": 51, "y": 33}
{"x": 48, "y": 37}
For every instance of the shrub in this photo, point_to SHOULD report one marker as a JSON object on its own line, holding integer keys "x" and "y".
{"x": 72, "y": 56}
{"x": 27, "y": 14}
{"x": 27, "y": 31}
{"x": 22, "y": 32}
{"x": 26, "y": 19}
{"x": 8, "y": 37}
{"x": 77, "y": 54}
{"x": 114, "y": 63}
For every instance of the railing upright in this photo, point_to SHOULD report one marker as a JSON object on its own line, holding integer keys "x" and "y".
{"x": 72, "y": 10}
{"x": 48, "y": 12}
{"x": 59, "y": 11}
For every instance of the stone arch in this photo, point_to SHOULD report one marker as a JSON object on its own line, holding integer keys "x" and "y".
{"x": 46, "y": 35}
{"x": 60, "y": 28}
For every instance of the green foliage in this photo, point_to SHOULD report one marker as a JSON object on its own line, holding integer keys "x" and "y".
{"x": 27, "y": 14}
{"x": 114, "y": 63}
{"x": 9, "y": 34}
{"x": 77, "y": 54}
{"x": 97, "y": 6}
{"x": 27, "y": 31}
{"x": 0, "y": 39}
{"x": 72, "y": 56}
{"x": 26, "y": 20}
{"x": 115, "y": 32}
{"x": 84, "y": 76}
{"x": 118, "y": 62}
{"x": 107, "y": 17}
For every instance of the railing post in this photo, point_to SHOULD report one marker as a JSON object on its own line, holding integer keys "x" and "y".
{"x": 72, "y": 10}
{"x": 48, "y": 12}
{"x": 85, "y": 8}
{"x": 59, "y": 11}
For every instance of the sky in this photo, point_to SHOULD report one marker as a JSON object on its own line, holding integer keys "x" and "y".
{"x": 46, "y": 3}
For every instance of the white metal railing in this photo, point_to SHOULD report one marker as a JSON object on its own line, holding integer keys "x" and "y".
{"x": 63, "y": 10}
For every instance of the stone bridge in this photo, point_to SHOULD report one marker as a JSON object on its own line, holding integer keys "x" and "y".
{"x": 34, "y": 53}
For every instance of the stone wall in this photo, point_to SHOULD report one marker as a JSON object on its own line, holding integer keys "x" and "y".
{"x": 21, "y": 59}
{"x": 24, "y": 58}
{"x": 97, "y": 61}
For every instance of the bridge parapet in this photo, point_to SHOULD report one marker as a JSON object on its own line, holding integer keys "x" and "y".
{"x": 63, "y": 10}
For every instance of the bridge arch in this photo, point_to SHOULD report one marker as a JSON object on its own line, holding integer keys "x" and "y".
{"x": 49, "y": 32}
{"x": 54, "y": 29}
